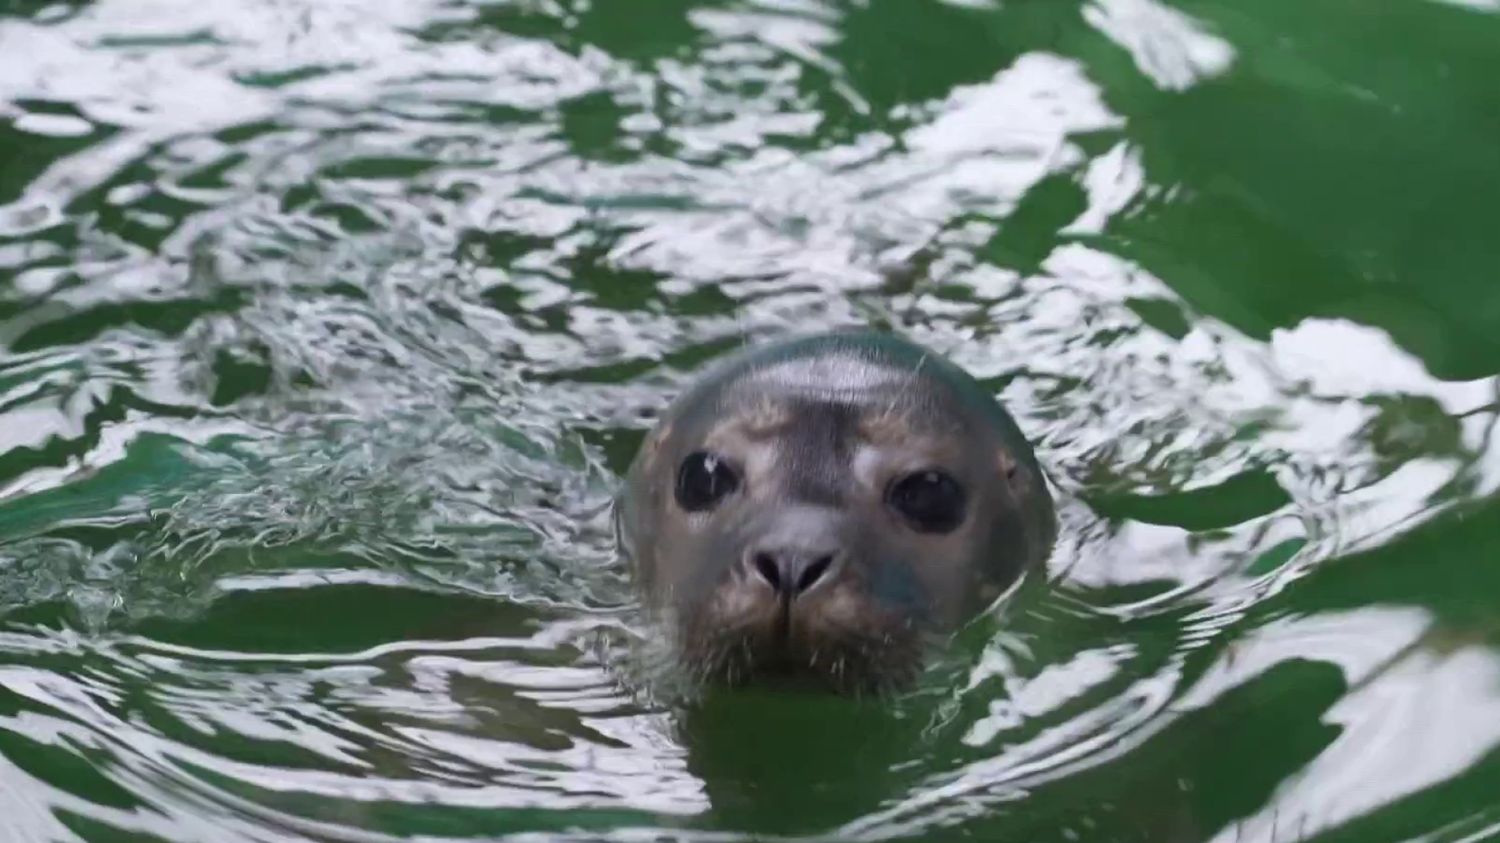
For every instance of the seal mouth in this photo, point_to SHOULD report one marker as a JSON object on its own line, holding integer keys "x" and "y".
{"x": 780, "y": 642}
{"x": 785, "y": 651}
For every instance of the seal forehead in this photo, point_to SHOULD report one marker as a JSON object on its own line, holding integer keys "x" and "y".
{"x": 873, "y": 400}
{"x": 846, "y": 376}
{"x": 761, "y": 417}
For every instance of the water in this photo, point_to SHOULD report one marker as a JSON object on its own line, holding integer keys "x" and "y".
{"x": 327, "y": 327}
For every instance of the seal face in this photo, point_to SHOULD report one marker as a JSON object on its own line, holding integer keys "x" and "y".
{"x": 821, "y": 506}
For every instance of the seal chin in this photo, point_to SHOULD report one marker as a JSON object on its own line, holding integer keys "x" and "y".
{"x": 840, "y": 640}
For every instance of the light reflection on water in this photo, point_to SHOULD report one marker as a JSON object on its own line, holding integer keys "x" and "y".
{"x": 327, "y": 327}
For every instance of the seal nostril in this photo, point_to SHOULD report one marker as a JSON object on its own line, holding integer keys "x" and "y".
{"x": 814, "y": 572}
{"x": 769, "y": 571}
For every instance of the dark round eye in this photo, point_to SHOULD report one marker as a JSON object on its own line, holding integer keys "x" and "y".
{"x": 703, "y": 480}
{"x": 931, "y": 500}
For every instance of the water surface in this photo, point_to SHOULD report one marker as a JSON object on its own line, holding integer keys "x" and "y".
{"x": 326, "y": 329}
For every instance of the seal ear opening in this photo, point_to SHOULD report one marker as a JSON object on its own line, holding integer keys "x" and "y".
{"x": 1022, "y": 479}
{"x": 1010, "y": 467}
{"x": 1028, "y": 489}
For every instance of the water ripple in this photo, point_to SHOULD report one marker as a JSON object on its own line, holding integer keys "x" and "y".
{"x": 326, "y": 329}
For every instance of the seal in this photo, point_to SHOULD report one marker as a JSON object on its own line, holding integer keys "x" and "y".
{"x": 825, "y": 507}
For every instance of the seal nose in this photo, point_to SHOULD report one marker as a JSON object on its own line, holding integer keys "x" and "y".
{"x": 791, "y": 572}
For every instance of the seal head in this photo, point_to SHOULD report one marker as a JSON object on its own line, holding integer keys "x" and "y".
{"x": 821, "y": 507}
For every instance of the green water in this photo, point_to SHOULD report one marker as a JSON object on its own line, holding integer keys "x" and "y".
{"x": 327, "y": 327}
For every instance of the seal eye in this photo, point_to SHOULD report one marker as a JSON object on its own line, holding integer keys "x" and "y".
{"x": 703, "y": 480}
{"x": 930, "y": 499}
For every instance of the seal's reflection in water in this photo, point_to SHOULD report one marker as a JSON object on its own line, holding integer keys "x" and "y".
{"x": 848, "y": 755}
{"x": 779, "y": 761}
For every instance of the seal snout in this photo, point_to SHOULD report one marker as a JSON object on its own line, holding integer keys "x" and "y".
{"x": 792, "y": 571}
{"x": 793, "y": 551}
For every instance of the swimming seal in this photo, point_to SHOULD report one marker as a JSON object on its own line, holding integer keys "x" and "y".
{"x": 821, "y": 507}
